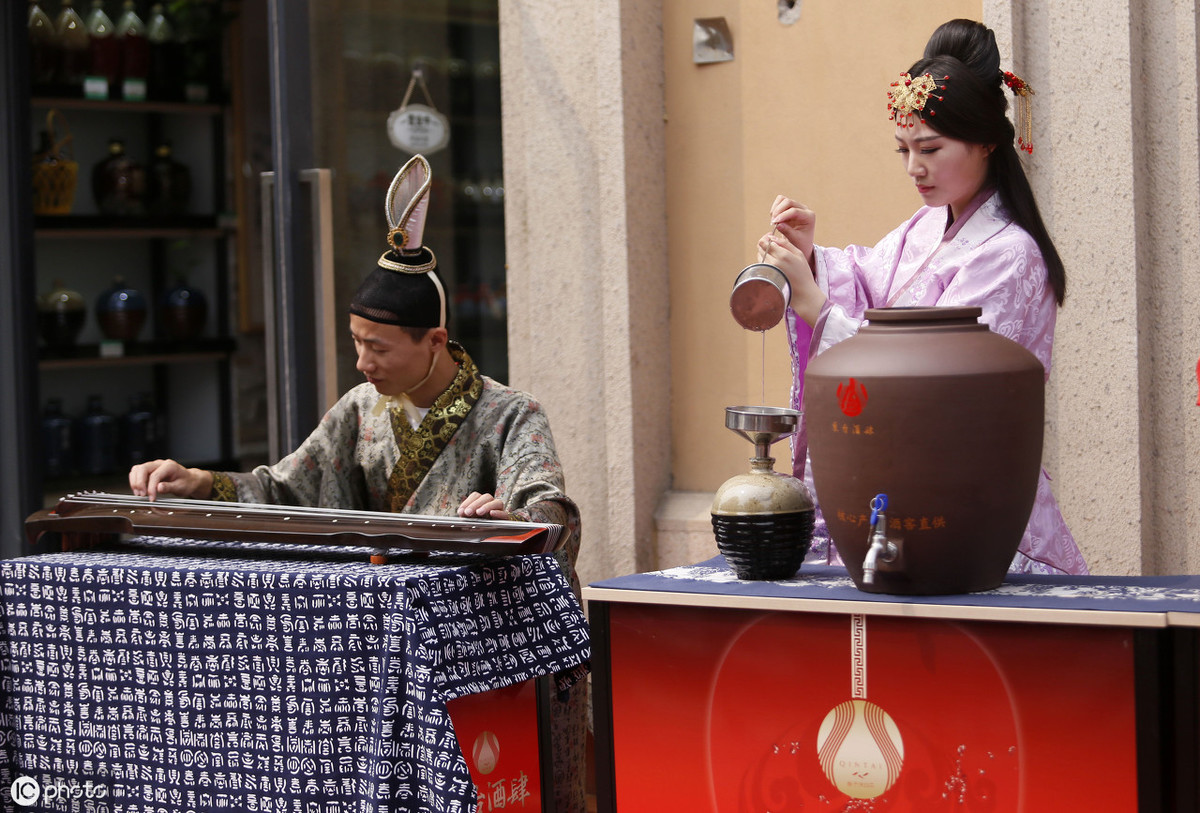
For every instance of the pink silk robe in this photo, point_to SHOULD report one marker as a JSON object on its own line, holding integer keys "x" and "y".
{"x": 984, "y": 260}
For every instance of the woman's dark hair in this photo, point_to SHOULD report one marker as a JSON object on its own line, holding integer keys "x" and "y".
{"x": 970, "y": 106}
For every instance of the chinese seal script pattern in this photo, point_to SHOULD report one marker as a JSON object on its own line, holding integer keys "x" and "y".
{"x": 175, "y": 683}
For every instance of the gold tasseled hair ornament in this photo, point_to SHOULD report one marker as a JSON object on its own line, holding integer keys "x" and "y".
{"x": 908, "y": 97}
{"x": 1022, "y": 91}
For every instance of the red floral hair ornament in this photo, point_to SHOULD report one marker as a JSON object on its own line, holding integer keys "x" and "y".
{"x": 1022, "y": 91}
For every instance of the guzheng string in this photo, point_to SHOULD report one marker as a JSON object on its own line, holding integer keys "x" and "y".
{"x": 141, "y": 512}
{"x": 260, "y": 509}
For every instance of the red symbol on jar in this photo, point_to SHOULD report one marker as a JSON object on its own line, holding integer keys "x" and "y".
{"x": 852, "y": 397}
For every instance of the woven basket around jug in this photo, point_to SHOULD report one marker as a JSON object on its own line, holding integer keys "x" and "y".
{"x": 766, "y": 546}
{"x": 55, "y": 173}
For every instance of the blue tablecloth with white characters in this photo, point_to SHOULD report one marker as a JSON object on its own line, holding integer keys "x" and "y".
{"x": 142, "y": 682}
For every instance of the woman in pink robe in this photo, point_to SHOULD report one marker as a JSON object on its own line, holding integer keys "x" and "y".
{"x": 979, "y": 240}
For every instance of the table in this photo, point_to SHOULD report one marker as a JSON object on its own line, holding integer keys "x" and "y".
{"x": 152, "y": 682}
{"x": 1048, "y": 693}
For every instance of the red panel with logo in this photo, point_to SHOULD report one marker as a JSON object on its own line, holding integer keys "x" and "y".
{"x": 738, "y": 710}
{"x": 497, "y": 732}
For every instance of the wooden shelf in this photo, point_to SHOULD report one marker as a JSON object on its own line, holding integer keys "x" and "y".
{"x": 138, "y": 354}
{"x": 73, "y": 227}
{"x": 117, "y": 105}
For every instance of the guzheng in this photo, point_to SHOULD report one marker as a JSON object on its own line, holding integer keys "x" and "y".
{"x": 97, "y": 513}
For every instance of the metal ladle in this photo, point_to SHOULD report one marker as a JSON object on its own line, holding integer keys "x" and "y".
{"x": 760, "y": 297}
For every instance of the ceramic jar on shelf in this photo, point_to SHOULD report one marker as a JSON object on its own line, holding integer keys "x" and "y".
{"x": 58, "y": 448}
{"x": 61, "y": 316}
{"x": 119, "y": 183}
{"x": 168, "y": 183}
{"x": 97, "y": 435}
{"x": 182, "y": 312}
{"x": 121, "y": 311}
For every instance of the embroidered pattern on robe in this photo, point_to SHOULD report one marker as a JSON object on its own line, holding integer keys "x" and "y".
{"x": 420, "y": 447}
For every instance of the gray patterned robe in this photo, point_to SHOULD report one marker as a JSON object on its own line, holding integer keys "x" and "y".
{"x": 479, "y": 436}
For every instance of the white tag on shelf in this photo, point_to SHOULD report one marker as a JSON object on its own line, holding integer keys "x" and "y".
{"x": 112, "y": 349}
{"x": 95, "y": 87}
{"x": 134, "y": 90}
{"x": 195, "y": 92}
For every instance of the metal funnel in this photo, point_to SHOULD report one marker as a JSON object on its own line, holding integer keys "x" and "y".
{"x": 762, "y": 425}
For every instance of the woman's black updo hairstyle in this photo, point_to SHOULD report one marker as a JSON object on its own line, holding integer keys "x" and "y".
{"x": 970, "y": 106}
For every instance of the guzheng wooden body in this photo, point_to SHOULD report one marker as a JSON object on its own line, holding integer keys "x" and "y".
{"x": 99, "y": 514}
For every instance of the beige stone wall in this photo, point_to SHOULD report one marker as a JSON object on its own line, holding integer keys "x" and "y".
{"x": 1116, "y": 174}
{"x": 801, "y": 110}
{"x": 587, "y": 281}
{"x": 638, "y": 183}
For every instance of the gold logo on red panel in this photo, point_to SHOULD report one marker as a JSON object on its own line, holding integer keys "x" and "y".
{"x": 858, "y": 744}
{"x": 860, "y": 749}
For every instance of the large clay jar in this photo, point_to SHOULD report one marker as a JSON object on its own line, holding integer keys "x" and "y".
{"x": 931, "y": 408}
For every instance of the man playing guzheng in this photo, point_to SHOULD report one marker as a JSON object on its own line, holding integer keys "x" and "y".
{"x": 427, "y": 433}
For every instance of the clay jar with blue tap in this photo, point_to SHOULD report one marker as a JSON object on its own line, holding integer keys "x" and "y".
{"x": 121, "y": 312}
{"x": 945, "y": 417}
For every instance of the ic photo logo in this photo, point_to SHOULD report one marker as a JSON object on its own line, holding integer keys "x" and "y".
{"x": 26, "y": 791}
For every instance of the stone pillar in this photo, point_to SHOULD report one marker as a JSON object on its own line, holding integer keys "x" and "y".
{"x": 586, "y": 252}
{"x": 1115, "y": 170}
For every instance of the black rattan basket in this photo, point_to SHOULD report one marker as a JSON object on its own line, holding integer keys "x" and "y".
{"x": 764, "y": 546}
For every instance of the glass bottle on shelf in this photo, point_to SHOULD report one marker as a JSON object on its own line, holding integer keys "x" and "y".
{"x": 135, "y": 54}
{"x": 57, "y": 447}
{"x": 104, "y": 72}
{"x": 119, "y": 183}
{"x": 195, "y": 26}
{"x": 96, "y": 431}
{"x": 163, "y": 74}
{"x": 169, "y": 185}
{"x": 74, "y": 46}
{"x": 139, "y": 435}
{"x": 43, "y": 46}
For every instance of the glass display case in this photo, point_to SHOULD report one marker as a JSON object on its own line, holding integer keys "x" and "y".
{"x": 308, "y": 95}
{"x": 132, "y": 239}
{"x": 441, "y": 55}
{"x": 344, "y": 71}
